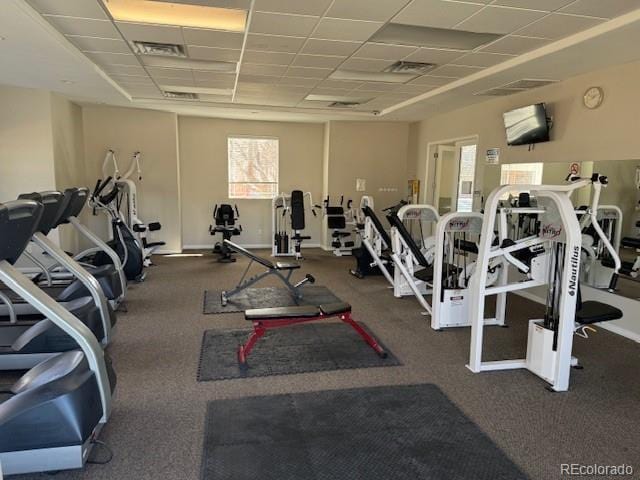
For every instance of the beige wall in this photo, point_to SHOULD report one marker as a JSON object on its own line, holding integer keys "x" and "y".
{"x": 68, "y": 156}
{"x": 126, "y": 130}
{"x": 204, "y": 174}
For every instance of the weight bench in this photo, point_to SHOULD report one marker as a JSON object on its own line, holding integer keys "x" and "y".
{"x": 281, "y": 270}
{"x": 270, "y": 318}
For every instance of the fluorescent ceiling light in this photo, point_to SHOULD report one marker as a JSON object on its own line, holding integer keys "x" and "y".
{"x": 204, "y": 65}
{"x": 335, "y": 98}
{"x": 398, "y": 34}
{"x": 180, "y": 14}
{"x": 371, "y": 76}
{"x": 158, "y": 49}
{"x": 199, "y": 90}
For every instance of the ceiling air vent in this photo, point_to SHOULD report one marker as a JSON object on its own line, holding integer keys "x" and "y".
{"x": 528, "y": 83}
{"x": 180, "y": 95}
{"x": 416, "y": 68}
{"x": 344, "y": 104}
{"x": 159, "y": 49}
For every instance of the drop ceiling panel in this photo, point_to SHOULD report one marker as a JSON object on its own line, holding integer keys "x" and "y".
{"x": 377, "y": 87}
{"x": 213, "y": 54}
{"x": 317, "y": 61}
{"x": 515, "y": 45}
{"x": 366, "y": 64}
{"x": 500, "y": 20}
{"x": 125, "y": 79}
{"x": 330, "y": 47}
{"x": 320, "y": 90}
{"x": 384, "y": 52}
{"x": 436, "y": 13}
{"x": 602, "y": 8}
{"x": 241, "y": 4}
{"x": 267, "y": 79}
{"x": 435, "y": 55}
{"x": 268, "y": 58}
{"x": 380, "y": 11}
{"x": 211, "y": 84}
{"x": 482, "y": 59}
{"x": 125, "y": 70}
{"x": 177, "y": 73}
{"x": 455, "y": 71}
{"x": 340, "y": 84}
{"x": 432, "y": 80}
{"x": 84, "y": 27}
{"x": 212, "y": 38}
{"x": 271, "y": 70}
{"x": 546, "y": 5}
{"x": 201, "y": 76}
{"x": 301, "y": 7}
{"x": 274, "y": 43}
{"x": 279, "y": 24}
{"x": 307, "y": 72}
{"x": 91, "y": 44}
{"x": 299, "y": 81}
{"x": 151, "y": 33}
{"x": 557, "y": 26}
{"x": 350, "y": 30}
{"x": 113, "y": 58}
{"x": 414, "y": 88}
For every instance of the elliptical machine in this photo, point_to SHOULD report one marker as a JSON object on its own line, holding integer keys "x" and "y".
{"x": 225, "y": 217}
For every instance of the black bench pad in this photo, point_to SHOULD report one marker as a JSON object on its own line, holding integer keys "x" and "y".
{"x": 594, "y": 312}
{"x": 335, "y": 308}
{"x": 630, "y": 242}
{"x": 282, "y": 312}
{"x": 426, "y": 274}
{"x": 287, "y": 266}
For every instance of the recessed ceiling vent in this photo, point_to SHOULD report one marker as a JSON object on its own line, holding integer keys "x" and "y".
{"x": 344, "y": 104}
{"x": 416, "y": 68}
{"x": 159, "y": 49}
{"x": 528, "y": 83}
{"x": 180, "y": 95}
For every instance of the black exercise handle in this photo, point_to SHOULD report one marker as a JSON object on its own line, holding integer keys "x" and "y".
{"x": 237, "y": 212}
{"x": 613, "y": 283}
{"x": 101, "y": 187}
{"x": 397, "y": 206}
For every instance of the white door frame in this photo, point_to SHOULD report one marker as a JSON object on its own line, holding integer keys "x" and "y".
{"x": 440, "y": 149}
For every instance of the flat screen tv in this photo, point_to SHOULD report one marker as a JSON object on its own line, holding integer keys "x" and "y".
{"x": 527, "y": 125}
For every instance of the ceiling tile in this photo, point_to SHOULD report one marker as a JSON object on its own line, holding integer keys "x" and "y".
{"x": 380, "y": 11}
{"x": 435, "y": 55}
{"x": 415, "y": 89}
{"x": 212, "y": 38}
{"x": 340, "y": 84}
{"x": 456, "y": 71}
{"x": 274, "y": 43}
{"x": 377, "y": 87}
{"x": 270, "y": 70}
{"x": 299, "y": 81}
{"x": 170, "y": 73}
{"x": 546, "y": 5}
{"x": 330, "y": 47}
{"x": 241, "y": 4}
{"x": 125, "y": 70}
{"x": 432, "y": 80}
{"x": 515, "y": 45}
{"x": 113, "y": 58}
{"x": 84, "y": 27}
{"x": 207, "y": 97}
{"x": 245, "y": 77}
{"x": 70, "y": 8}
{"x": 500, "y": 20}
{"x": 174, "y": 82}
{"x": 151, "y": 33}
{"x": 213, "y": 77}
{"x": 268, "y": 58}
{"x": 317, "y": 61}
{"x": 435, "y": 13}
{"x": 384, "y": 52}
{"x": 320, "y": 90}
{"x": 131, "y": 79}
{"x": 215, "y": 84}
{"x": 300, "y": 7}
{"x": 91, "y": 44}
{"x": 214, "y": 54}
{"x": 351, "y": 30}
{"x": 482, "y": 59}
{"x": 281, "y": 24}
{"x": 306, "y": 72}
{"x": 558, "y": 25}
{"x": 600, "y": 8}
{"x": 366, "y": 65}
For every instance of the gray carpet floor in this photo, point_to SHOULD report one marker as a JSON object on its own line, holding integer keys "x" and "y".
{"x": 157, "y": 427}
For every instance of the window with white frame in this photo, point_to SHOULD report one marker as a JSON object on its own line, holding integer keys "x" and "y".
{"x": 253, "y": 167}
{"x": 521, "y": 174}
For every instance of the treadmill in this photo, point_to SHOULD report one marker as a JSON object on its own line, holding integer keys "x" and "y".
{"x": 49, "y": 418}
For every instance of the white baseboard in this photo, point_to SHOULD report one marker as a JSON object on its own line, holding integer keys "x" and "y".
{"x": 166, "y": 252}
{"x": 610, "y": 326}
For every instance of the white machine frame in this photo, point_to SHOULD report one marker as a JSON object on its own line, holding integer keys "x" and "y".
{"x": 594, "y": 273}
{"x": 375, "y": 245}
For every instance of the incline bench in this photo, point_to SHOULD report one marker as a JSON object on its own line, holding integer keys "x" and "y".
{"x": 276, "y": 269}
{"x": 270, "y": 318}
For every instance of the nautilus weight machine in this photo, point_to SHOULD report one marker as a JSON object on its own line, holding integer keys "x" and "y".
{"x": 288, "y": 223}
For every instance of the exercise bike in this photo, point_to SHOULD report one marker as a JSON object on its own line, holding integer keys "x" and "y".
{"x": 225, "y": 217}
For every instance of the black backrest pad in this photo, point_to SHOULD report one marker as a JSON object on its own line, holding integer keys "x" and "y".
{"x": 395, "y": 221}
{"x": 224, "y": 215}
{"x": 75, "y": 199}
{"x": 243, "y": 251}
{"x": 52, "y": 202}
{"x": 18, "y": 222}
{"x": 368, "y": 212}
{"x": 297, "y": 210}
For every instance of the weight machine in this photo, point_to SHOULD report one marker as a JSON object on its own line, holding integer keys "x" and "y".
{"x": 338, "y": 219}
{"x": 225, "y": 217}
{"x": 288, "y": 222}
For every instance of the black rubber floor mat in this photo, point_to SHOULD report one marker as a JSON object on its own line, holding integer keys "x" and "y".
{"x": 312, "y": 347}
{"x": 391, "y": 433}
{"x": 267, "y": 297}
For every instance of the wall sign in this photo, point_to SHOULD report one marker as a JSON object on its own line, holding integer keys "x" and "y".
{"x": 493, "y": 156}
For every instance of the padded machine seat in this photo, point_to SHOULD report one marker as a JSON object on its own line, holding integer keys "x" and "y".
{"x": 594, "y": 312}
{"x": 287, "y": 266}
{"x": 424, "y": 274}
{"x": 282, "y": 312}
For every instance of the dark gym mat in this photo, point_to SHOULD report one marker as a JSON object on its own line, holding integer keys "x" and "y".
{"x": 267, "y": 297}
{"x": 390, "y": 433}
{"x": 312, "y": 347}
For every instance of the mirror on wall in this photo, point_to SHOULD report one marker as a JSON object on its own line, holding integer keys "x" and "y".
{"x": 619, "y": 211}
